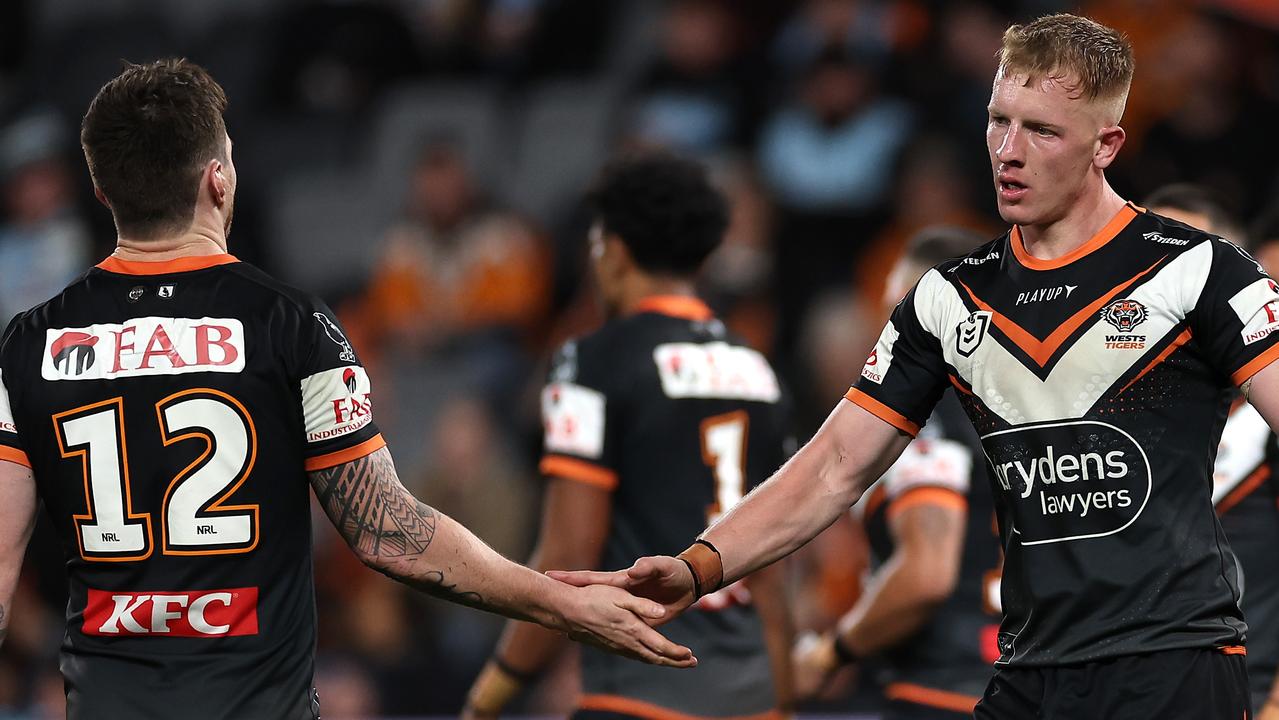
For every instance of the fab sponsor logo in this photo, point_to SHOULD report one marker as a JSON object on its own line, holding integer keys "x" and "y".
{"x": 1069, "y": 480}
{"x": 144, "y": 346}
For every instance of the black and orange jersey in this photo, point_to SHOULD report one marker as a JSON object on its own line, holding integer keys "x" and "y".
{"x": 170, "y": 412}
{"x": 1099, "y": 384}
{"x": 1245, "y": 495}
{"x": 947, "y": 663}
{"x": 678, "y": 420}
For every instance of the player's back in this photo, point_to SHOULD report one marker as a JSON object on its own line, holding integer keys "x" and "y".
{"x": 169, "y": 412}
{"x": 948, "y": 661}
{"x": 679, "y": 419}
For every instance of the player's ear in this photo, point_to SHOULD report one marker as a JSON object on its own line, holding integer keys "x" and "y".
{"x": 1110, "y": 140}
{"x": 216, "y": 181}
{"x": 102, "y": 198}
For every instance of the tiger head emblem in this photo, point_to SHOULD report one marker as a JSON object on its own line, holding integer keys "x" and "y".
{"x": 1125, "y": 315}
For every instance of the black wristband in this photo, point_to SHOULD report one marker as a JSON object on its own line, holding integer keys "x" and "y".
{"x": 697, "y": 584}
{"x": 520, "y": 675}
{"x": 844, "y": 653}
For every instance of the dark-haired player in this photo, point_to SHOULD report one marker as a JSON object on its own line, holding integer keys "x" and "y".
{"x": 929, "y": 612}
{"x": 1244, "y": 483}
{"x": 655, "y": 424}
{"x": 173, "y": 407}
{"x": 1096, "y": 347}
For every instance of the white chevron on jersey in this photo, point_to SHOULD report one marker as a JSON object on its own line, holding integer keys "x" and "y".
{"x": 1242, "y": 449}
{"x": 1087, "y": 368}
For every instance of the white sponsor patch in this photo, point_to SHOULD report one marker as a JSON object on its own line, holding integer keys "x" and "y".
{"x": 1241, "y": 450}
{"x": 574, "y": 419}
{"x": 1257, "y": 306}
{"x": 6, "y": 410}
{"x": 336, "y": 402}
{"x": 930, "y": 463}
{"x": 715, "y": 370}
{"x": 144, "y": 346}
{"x": 881, "y": 356}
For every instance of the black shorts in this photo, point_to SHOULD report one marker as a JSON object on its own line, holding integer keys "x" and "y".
{"x": 1194, "y": 684}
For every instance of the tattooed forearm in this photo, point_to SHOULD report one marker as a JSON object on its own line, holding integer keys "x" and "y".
{"x": 384, "y": 524}
{"x": 372, "y": 511}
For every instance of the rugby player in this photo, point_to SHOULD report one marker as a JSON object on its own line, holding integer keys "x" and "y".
{"x": 173, "y": 407}
{"x": 655, "y": 424}
{"x": 1095, "y": 347}
{"x": 929, "y": 611}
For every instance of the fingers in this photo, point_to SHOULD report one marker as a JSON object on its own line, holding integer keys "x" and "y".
{"x": 643, "y": 608}
{"x": 586, "y": 578}
{"x": 646, "y": 568}
{"x": 666, "y": 652}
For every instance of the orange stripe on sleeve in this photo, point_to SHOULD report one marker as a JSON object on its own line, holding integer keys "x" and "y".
{"x": 927, "y": 495}
{"x": 328, "y": 460}
{"x": 1257, "y": 365}
{"x": 882, "y": 411}
{"x": 920, "y": 695}
{"x": 649, "y": 711}
{"x": 1245, "y": 488}
{"x": 579, "y": 470}
{"x": 1234, "y": 650}
{"x": 14, "y": 455}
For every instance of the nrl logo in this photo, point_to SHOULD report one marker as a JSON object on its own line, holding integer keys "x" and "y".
{"x": 970, "y": 332}
{"x": 1125, "y": 315}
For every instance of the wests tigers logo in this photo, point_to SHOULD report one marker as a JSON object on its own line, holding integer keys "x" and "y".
{"x": 1125, "y": 315}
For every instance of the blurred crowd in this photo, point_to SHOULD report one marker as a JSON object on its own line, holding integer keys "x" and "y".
{"x": 419, "y": 162}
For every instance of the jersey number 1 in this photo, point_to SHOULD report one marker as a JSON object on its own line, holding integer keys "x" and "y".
{"x": 724, "y": 451}
{"x": 195, "y": 520}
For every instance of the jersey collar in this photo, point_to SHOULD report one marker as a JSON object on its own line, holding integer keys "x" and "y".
{"x": 184, "y": 264}
{"x": 1096, "y": 242}
{"x": 678, "y": 306}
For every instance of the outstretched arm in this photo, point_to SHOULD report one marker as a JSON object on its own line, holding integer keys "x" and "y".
{"x": 407, "y": 540}
{"x": 852, "y": 449}
{"x": 17, "y": 518}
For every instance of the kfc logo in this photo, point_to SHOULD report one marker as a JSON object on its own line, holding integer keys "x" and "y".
{"x": 191, "y": 614}
{"x": 144, "y": 346}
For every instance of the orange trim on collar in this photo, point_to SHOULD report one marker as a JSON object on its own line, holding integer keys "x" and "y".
{"x": 1096, "y": 242}
{"x": 165, "y": 267}
{"x": 679, "y": 306}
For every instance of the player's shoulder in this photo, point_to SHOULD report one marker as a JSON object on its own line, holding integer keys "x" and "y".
{"x": 985, "y": 257}
{"x": 272, "y": 288}
{"x": 1171, "y": 236}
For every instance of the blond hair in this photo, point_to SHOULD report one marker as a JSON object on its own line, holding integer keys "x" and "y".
{"x": 1098, "y": 59}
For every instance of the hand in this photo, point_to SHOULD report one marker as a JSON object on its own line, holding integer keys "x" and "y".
{"x": 619, "y": 622}
{"x": 661, "y": 578}
{"x": 814, "y": 662}
{"x": 1269, "y": 711}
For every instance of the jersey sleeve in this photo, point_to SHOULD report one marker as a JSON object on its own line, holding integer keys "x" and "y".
{"x": 336, "y": 395}
{"x": 934, "y": 471}
{"x": 1237, "y": 314}
{"x": 11, "y": 447}
{"x": 577, "y": 424}
{"x": 905, "y": 375}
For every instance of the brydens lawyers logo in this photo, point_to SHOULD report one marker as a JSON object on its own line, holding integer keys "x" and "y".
{"x": 72, "y": 352}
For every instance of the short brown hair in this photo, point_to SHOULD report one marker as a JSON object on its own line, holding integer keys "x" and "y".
{"x": 147, "y": 137}
{"x": 1055, "y": 45}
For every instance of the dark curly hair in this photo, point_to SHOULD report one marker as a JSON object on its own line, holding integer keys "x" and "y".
{"x": 147, "y": 137}
{"x": 663, "y": 207}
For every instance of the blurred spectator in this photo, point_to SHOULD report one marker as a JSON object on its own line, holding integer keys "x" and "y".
{"x": 1264, "y": 240}
{"x": 454, "y": 264}
{"x": 871, "y": 29}
{"x": 696, "y": 98}
{"x": 931, "y": 190}
{"x": 44, "y": 242}
{"x": 346, "y": 691}
{"x": 1212, "y": 115}
{"x": 836, "y": 148}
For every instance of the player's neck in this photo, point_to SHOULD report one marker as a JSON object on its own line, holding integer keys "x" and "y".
{"x": 192, "y": 243}
{"x": 639, "y": 287}
{"x": 1063, "y": 236}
